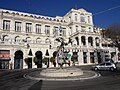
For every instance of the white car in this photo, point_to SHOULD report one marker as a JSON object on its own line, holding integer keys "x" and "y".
{"x": 105, "y": 66}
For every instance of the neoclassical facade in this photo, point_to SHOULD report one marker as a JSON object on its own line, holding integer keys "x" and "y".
{"x": 25, "y": 35}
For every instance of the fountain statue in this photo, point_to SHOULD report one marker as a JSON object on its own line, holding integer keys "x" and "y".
{"x": 60, "y": 51}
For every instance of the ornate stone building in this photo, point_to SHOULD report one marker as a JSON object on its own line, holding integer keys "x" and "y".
{"x": 24, "y": 36}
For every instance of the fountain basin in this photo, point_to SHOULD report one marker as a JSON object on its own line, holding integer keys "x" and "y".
{"x": 61, "y": 72}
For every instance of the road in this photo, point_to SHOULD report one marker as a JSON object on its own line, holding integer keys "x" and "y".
{"x": 14, "y": 80}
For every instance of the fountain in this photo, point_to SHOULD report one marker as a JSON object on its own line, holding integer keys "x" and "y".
{"x": 61, "y": 73}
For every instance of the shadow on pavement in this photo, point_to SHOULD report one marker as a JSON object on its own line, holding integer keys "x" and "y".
{"x": 36, "y": 86}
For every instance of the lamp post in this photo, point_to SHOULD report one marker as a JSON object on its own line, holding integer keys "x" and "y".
{"x": 47, "y": 57}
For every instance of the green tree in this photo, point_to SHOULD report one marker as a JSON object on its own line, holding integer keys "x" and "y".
{"x": 113, "y": 32}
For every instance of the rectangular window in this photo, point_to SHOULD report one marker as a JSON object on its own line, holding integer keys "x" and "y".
{"x": 92, "y": 57}
{"x": 83, "y": 28}
{"x": 63, "y": 32}
{"x": 17, "y": 26}
{"x": 69, "y": 18}
{"x": 75, "y": 17}
{"x": 76, "y": 28}
{"x": 88, "y": 19}
{"x": 82, "y": 19}
{"x": 55, "y": 32}
{"x": 38, "y": 28}
{"x": 47, "y": 30}
{"x": 84, "y": 57}
{"x": 6, "y": 25}
{"x": 28, "y": 27}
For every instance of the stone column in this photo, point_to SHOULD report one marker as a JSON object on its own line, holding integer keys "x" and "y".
{"x": 33, "y": 27}
{"x": 23, "y": 27}
{"x": 1, "y": 24}
{"x": 88, "y": 57}
{"x": 95, "y": 56}
{"x": 43, "y": 29}
{"x": 80, "y": 57}
{"x": 25, "y": 55}
{"x": 73, "y": 29}
{"x": 12, "y": 25}
{"x": 72, "y": 17}
{"x": 100, "y": 42}
{"x": 94, "y": 42}
{"x": 12, "y": 52}
{"x": 79, "y": 40}
{"x": 86, "y": 40}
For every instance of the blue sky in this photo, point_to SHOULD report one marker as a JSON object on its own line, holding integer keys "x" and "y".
{"x": 61, "y": 7}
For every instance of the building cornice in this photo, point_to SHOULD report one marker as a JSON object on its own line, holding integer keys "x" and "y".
{"x": 30, "y": 16}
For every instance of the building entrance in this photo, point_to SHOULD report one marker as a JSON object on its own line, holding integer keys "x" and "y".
{"x": 18, "y": 60}
{"x": 38, "y": 55}
{"x": 29, "y": 62}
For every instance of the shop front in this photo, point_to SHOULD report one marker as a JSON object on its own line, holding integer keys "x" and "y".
{"x": 4, "y": 59}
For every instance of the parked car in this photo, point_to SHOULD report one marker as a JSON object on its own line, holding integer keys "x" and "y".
{"x": 105, "y": 66}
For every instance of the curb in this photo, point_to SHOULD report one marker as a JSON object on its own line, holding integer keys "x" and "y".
{"x": 96, "y": 75}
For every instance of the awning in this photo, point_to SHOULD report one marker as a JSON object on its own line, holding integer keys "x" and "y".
{"x": 7, "y": 59}
{"x": 4, "y": 54}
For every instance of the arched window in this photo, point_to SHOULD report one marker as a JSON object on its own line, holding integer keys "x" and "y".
{"x": 28, "y": 39}
{"x": 97, "y": 41}
{"x": 47, "y": 41}
{"x": 6, "y": 38}
{"x": 38, "y": 40}
{"x": 83, "y": 40}
{"x": 90, "y": 41}
{"x": 77, "y": 39}
{"x": 74, "y": 42}
{"x": 17, "y": 39}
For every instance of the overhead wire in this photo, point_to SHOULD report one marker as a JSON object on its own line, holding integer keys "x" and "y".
{"x": 109, "y": 9}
